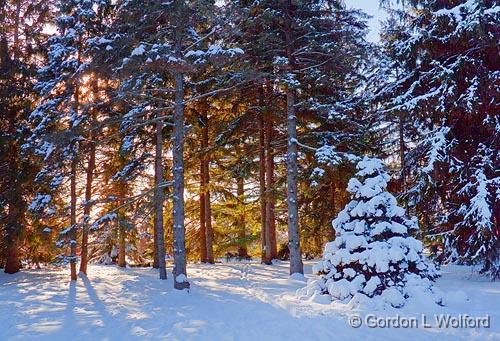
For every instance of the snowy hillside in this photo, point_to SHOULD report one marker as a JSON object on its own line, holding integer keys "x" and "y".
{"x": 233, "y": 301}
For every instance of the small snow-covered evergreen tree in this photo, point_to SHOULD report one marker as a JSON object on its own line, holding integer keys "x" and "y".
{"x": 373, "y": 253}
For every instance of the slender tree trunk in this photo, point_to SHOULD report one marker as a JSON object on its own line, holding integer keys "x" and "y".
{"x": 242, "y": 246}
{"x": 208, "y": 208}
{"x": 73, "y": 175}
{"x": 333, "y": 190}
{"x": 262, "y": 177}
{"x": 180, "y": 276}
{"x": 122, "y": 245}
{"x": 72, "y": 234}
{"x": 12, "y": 264}
{"x": 16, "y": 207}
{"x": 296, "y": 265}
{"x": 271, "y": 248}
{"x": 272, "y": 202}
{"x": 122, "y": 229}
{"x": 159, "y": 197}
{"x": 156, "y": 263}
{"x": 202, "y": 232}
{"x": 291, "y": 165}
{"x": 402, "y": 152}
{"x": 209, "y": 233}
{"x": 179, "y": 229}
{"x": 16, "y": 29}
{"x": 88, "y": 191}
{"x": 13, "y": 229}
{"x": 87, "y": 206}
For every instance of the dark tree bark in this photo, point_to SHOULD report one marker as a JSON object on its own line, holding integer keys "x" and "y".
{"x": 16, "y": 206}
{"x": 402, "y": 148}
{"x": 296, "y": 265}
{"x": 179, "y": 232}
{"x": 271, "y": 247}
{"x": 121, "y": 245}
{"x": 262, "y": 176}
{"x": 16, "y": 28}
{"x": 272, "y": 199}
{"x": 202, "y": 231}
{"x": 156, "y": 264}
{"x": 12, "y": 264}
{"x": 88, "y": 205}
{"x": 333, "y": 200}
{"x": 73, "y": 176}
{"x": 159, "y": 198}
{"x": 72, "y": 233}
{"x": 14, "y": 218}
{"x": 293, "y": 212}
{"x": 208, "y": 208}
{"x": 242, "y": 247}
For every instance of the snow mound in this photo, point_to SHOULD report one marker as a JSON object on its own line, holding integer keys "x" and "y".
{"x": 297, "y": 277}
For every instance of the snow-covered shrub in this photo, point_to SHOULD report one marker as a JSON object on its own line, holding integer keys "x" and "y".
{"x": 373, "y": 253}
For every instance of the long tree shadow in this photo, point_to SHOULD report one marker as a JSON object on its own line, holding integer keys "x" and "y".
{"x": 69, "y": 323}
{"x": 98, "y": 304}
{"x": 119, "y": 330}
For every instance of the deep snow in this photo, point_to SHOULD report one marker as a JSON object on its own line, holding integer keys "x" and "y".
{"x": 231, "y": 301}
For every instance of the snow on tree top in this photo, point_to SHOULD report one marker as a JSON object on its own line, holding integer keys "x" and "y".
{"x": 369, "y": 166}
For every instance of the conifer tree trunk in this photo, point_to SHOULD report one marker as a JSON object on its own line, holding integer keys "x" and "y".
{"x": 15, "y": 211}
{"x": 156, "y": 263}
{"x": 179, "y": 233}
{"x": 262, "y": 176}
{"x": 208, "y": 207}
{"x": 73, "y": 176}
{"x": 291, "y": 165}
{"x": 16, "y": 207}
{"x": 72, "y": 233}
{"x": 209, "y": 233}
{"x": 242, "y": 247}
{"x": 88, "y": 205}
{"x": 271, "y": 248}
{"x": 179, "y": 230}
{"x": 121, "y": 245}
{"x": 296, "y": 265}
{"x": 272, "y": 203}
{"x": 13, "y": 264}
{"x": 159, "y": 197}
{"x": 16, "y": 29}
{"x": 122, "y": 230}
{"x": 402, "y": 152}
{"x": 202, "y": 231}
{"x": 333, "y": 199}
{"x": 88, "y": 191}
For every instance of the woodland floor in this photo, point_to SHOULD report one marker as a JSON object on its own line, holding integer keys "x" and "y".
{"x": 228, "y": 301}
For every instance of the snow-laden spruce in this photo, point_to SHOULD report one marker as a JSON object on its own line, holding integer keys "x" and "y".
{"x": 373, "y": 254}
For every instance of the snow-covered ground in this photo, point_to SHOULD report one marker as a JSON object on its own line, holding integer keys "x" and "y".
{"x": 230, "y": 301}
